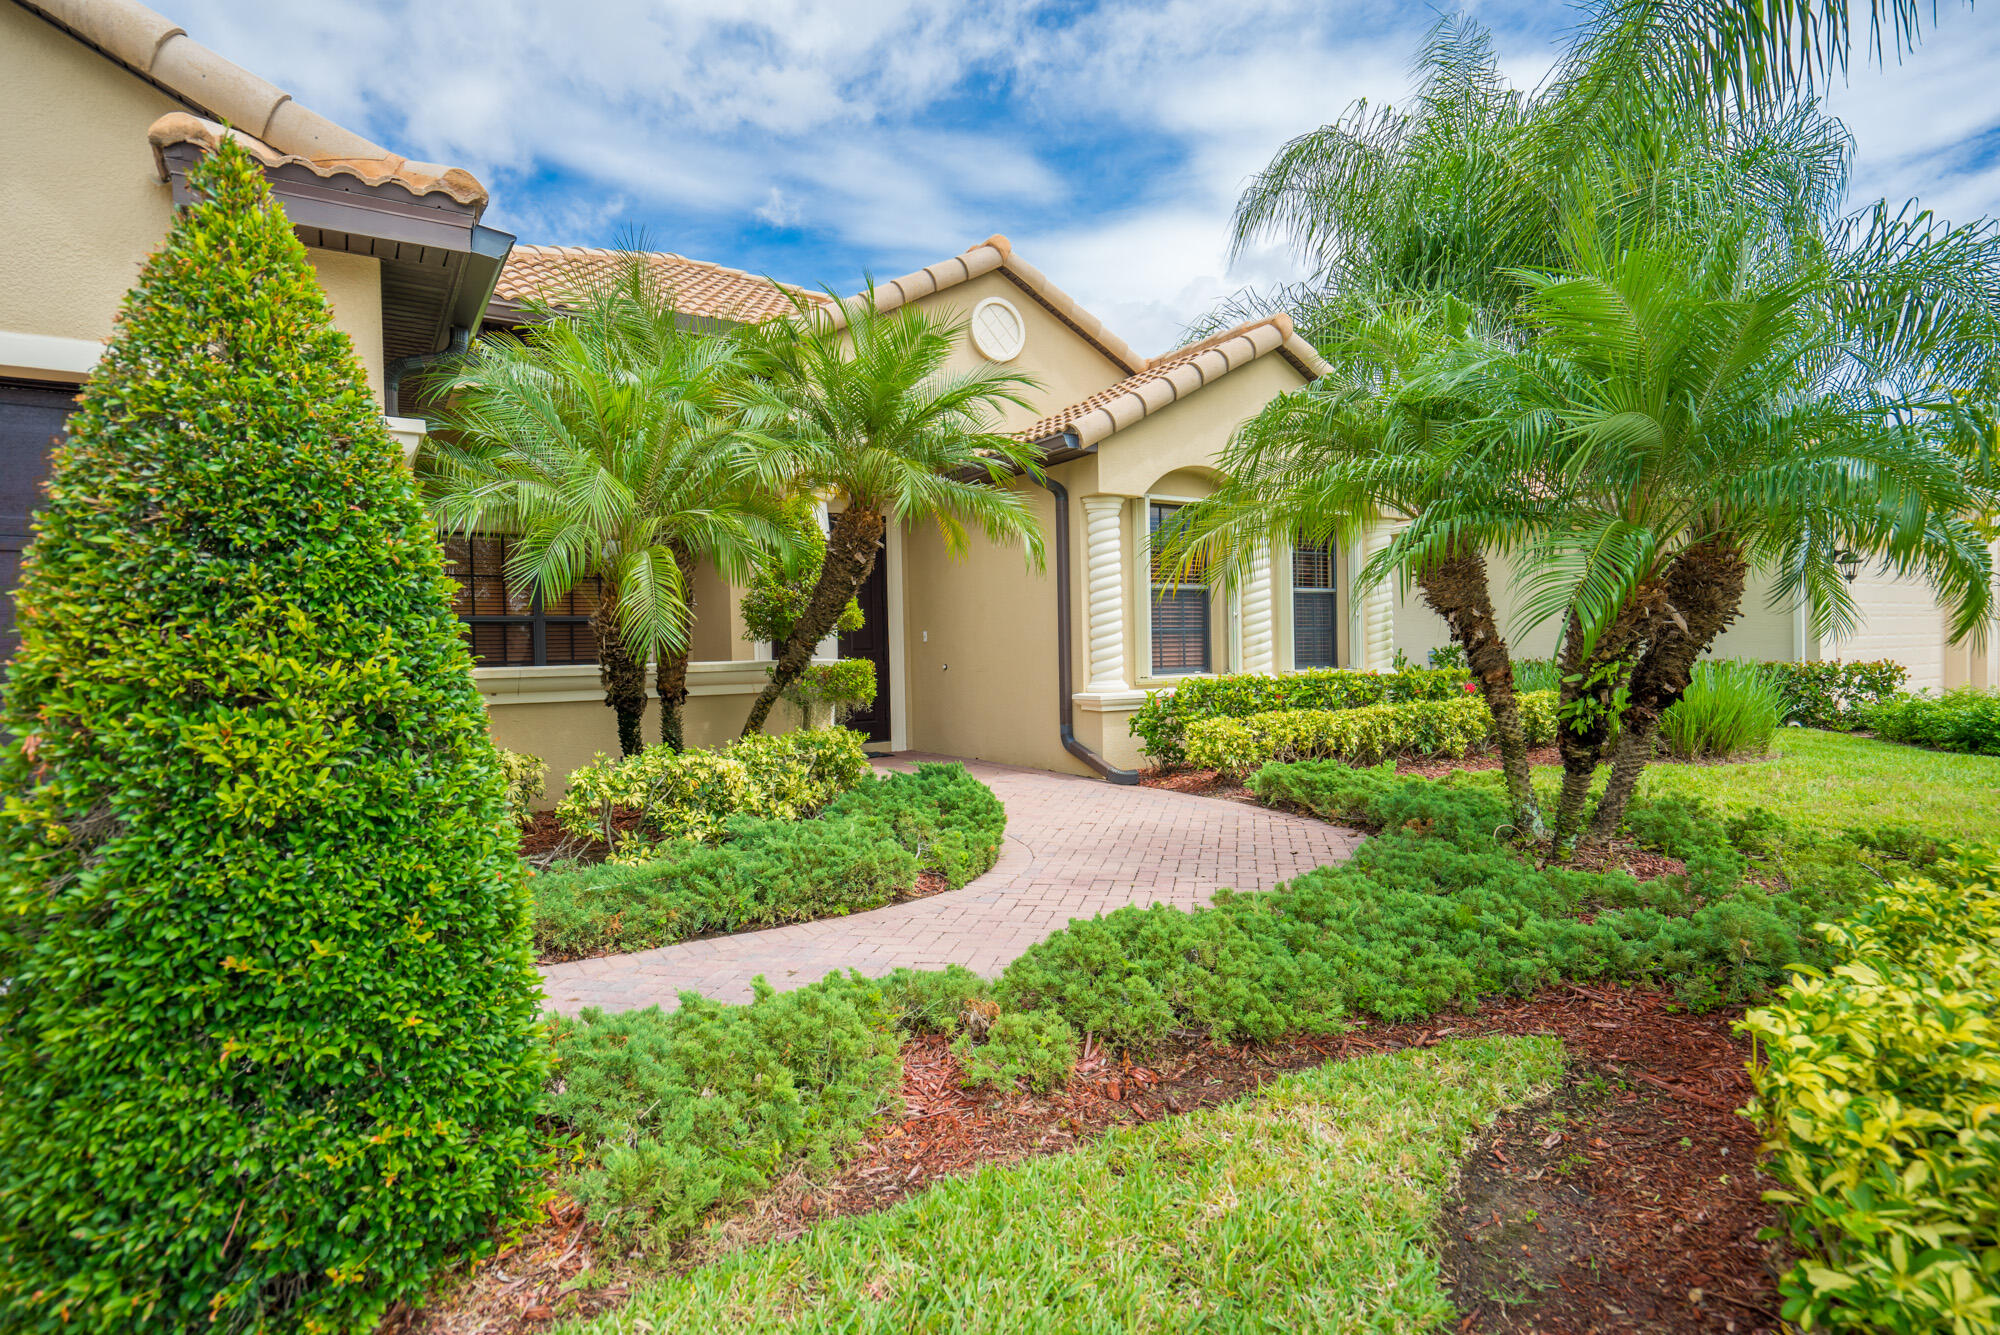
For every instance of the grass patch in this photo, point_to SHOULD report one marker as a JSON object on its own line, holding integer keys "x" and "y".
{"x": 1306, "y": 1207}
{"x": 1826, "y": 782}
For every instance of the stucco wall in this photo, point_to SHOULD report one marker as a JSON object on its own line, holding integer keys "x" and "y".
{"x": 84, "y": 206}
{"x": 980, "y": 637}
{"x": 353, "y": 285}
{"x": 1066, "y": 367}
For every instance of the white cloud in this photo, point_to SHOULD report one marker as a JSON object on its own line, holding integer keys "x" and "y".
{"x": 892, "y": 132}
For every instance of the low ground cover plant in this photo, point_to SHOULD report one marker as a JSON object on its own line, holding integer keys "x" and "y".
{"x": 1365, "y": 735}
{"x": 1034, "y": 1048}
{"x": 1966, "y": 719}
{"x": 1307, "y": 1206}
{"x": 643, "y": 805}
{"x": 1731, "y": 708}
{"x": 864, "y": 848}
{"x": 669, "y": 1115}
{"x": 1879, "y": 1092}
{"x": 1436, "y": 911}
{"x": 1162, "y": 722}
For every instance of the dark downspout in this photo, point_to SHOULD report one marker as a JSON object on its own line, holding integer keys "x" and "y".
{"x": 1066, "y": 707}
{"x": 392, "y": 374}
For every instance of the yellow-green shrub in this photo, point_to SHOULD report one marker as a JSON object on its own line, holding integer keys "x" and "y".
{"x": 527, "y": 778}
{"x": 690, "y": 795}
{"x": 1878, "y": 1088}
{"x": 1363, "y": 736}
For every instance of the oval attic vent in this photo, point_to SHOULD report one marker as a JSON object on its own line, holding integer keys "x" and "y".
{"x": 998, "y": 331}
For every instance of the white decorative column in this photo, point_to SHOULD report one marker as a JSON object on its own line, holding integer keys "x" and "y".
{"x": 1104, "y": 594}
{"x": 1259, "y": 642}
{"x": 1377, "y": 613}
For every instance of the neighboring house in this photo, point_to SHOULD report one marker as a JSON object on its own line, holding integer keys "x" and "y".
{"x": 108, "y": 103}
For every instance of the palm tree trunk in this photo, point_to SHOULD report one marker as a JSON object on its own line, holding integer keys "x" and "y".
{"x": 850, "y": 559}
{"x": 623, "y": 678}
{"x": 1705, "y": 586}
{"x": 1584, "y": 719}
{"x": 674, "y": 670}
{"x": 1456, "y": 589}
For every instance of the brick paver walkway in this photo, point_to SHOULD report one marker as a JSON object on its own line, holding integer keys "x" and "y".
{"x": 1075, "y": 847}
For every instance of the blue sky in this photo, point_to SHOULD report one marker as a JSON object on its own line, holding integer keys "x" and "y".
{"x": 816, "y": 141}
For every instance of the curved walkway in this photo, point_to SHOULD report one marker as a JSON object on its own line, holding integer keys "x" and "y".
{"x": 1075, "y": 847}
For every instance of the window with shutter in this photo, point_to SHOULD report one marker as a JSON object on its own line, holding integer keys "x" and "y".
{"x": 33, "y": 417}
{"x": 1315, "y": 627}
{"x": 1180, "y": 622}
{"x": 506, "y": 622}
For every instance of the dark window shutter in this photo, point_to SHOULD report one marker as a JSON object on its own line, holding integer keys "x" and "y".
{"x": 32, "y": 420}
{"x": 505, "y": 621}
{"x": 1315, "y": 627}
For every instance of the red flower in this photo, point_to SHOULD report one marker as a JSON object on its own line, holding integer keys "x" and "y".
{"x": 1471, "y": 686}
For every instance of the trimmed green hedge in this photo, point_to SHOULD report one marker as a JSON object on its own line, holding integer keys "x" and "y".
{"x": 681, "y": 796}
{"x": 1362, "y": 736}
{"x": 1879, "y": 1093}
{"x": 861, "y": 852}
{"x": 1966, "y": 719}
{"x": 1162, "y": 722}
{"x": 1825, "y": 695}
{"x": 269, "y": 1043}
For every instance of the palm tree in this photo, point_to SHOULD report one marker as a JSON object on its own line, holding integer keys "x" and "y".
{"x": 1482, "y": 192}
{"x": 1699, "y": 407}
{"x": 874, "y": 413}
{"x": 616, "y": 444}
{"x": 1378, "y": 442}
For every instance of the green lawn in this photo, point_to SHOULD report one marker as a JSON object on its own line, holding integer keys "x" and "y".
{"x": 1305, "y": 1207}
{"x": 1827, "y": 782}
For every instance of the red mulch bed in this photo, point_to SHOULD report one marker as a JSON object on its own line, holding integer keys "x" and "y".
{"x": 1627, "y": 1201}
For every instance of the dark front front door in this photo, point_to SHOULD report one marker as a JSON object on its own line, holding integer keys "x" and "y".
{"x": 872, "y": 643}
{"x": 32, "y": 418}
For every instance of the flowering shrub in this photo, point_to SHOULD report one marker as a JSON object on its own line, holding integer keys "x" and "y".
{"x": 690, "y": 795}
{"x": 1362, "y": 736}
{"x": 1162, "y": 722}
{"x": 1827, "y": 695}
{"x": 1879, "y": 1094}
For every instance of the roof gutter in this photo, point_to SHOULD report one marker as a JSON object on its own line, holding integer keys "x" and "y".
{"x": 393, "y": 373}
{"x": 1065, "y": 706}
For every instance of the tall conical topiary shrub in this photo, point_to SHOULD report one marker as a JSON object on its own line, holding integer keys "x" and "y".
{"x": 268, "y": 1025}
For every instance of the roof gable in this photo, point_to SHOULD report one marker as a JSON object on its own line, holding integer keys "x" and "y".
{"x": 219, "y": 91}
{"x": 1173, "y": 376}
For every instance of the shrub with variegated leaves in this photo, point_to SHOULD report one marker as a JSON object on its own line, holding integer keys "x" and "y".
{"x": 662, "y": 796}
{"x": 1878, "y": 1088}
{"x": 1362, "y": 736}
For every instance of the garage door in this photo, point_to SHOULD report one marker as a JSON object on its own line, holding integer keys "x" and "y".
{"x": 31, "y": 420}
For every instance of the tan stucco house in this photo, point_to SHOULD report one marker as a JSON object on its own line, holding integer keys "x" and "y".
{"x": 108, "y": 104}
